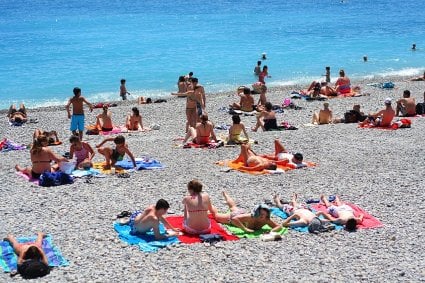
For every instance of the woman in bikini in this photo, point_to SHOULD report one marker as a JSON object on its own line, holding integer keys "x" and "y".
{"x": 202, "y": 132}
{"x": 196, "y": 207}
{"x": 342, "y": 84}
{"x": 41, "y": 156}
{"x": 134, "y": 120}
{"x": 236, "y": 130}
{"x": 83, "y": 152}
{"x": 267, "y": 119}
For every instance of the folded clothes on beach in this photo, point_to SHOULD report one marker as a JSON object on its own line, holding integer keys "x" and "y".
{"x": 368, "y": 220}
{"x": 240, "y": 233}
{"x": 141, "y": 163}
{"x": 8, "y": 145}
{"x": 282, "y": 166}
{"x": 9, "y": 260}
{"x": 100, "y": 166}
{"x": 177, "y": 221}
{"x": 280, "y": 213}
{"x": 146, "y": 242}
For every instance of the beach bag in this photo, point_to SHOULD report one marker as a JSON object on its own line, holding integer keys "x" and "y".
{"x": 388, "y": 85}
{"x": 50, "y": 179}
{"x": 316, "y": 226}
{"x": 420, "y": 108}
{"x": 31, "y": 268}
{"x": 350, "y": 117}
{"x": 211, "y": 238}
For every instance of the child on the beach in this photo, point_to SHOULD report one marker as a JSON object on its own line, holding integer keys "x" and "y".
{"x": 123, "y": 90}
{"x": 77, "y": 117}
{"x": 112, "y": 155}
{"x": 84, "y": 153}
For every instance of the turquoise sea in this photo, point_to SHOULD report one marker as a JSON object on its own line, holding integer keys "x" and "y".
{"x": 49, "y": 47}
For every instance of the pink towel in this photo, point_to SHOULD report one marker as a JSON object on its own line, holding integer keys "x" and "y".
{"x": 368, "y": 220}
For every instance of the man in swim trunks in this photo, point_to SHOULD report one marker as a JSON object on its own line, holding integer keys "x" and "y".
{"x": 295, "y": 211}
{"x": 406, "y": 106}
{"x": 112, "y": 155}
{"x": 340, "y": 213}
{"x": 246, "y": 221}
{"x": 246, "y": 102}
{"x": 383, "y": 118}
{"x": 17, "y": 116}
{"x": 323, "y": 117}
{"x": 77, "y": 117}
{"x": 104, "y": 120}
{"x": 143, "y": 222}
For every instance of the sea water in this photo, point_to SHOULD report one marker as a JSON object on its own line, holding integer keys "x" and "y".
{"x": 49, "y": 47}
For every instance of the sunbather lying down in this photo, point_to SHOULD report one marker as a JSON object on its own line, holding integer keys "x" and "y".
{"x": 254, "y": 162}
{"x": 17, "y": 116}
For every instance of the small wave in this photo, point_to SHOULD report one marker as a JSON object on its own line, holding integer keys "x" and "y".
{"x": 407, "y": 72}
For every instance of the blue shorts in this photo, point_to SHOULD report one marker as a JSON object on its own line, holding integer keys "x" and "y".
{"x": 77, "y": 122}
{"x": 131, "y": 222}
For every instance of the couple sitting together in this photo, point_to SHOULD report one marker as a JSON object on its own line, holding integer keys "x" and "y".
{"x": 197, "y": 206}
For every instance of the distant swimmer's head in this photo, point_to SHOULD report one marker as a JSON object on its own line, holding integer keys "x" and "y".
{"x": 264, "y": 56}
{"x": 387, "y": 101}
{"x": 77, "y": 91}
{"x": 122, "y": 81}
{"x": 246, "y": 90}
{"x": 190, "y": 74}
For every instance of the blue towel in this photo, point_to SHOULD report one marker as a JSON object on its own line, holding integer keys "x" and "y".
{"x": 280, "y": 213}
{"x": 141, "y": 163}
{"x": 81, "y": 173}
{"x": 8, "y": 258}
{"x": 146, "y": 242}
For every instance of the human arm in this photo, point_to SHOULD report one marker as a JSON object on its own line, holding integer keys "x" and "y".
{"x": 90, "y": 150}
{"x": 130, "y": 154}
{"x": 71, "y": 152}
{"x": 68, "y": 110}
{"x": 140, "y": 122}
{"x": 359, "y": 219}
{"x": 327, "y": 216}
{"x": 55, "y": 157}
{"x": 89, "y": 104}
{"x": 168, "y": 225}
{"x": 105, "y": 140}
{"x": 244, "y": 131}
{"x": 157, "y": 233}
{"x": 238, "y": 223}
{"x": 213, "y": 133}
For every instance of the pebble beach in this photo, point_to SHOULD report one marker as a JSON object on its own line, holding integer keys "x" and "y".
{"x": 382, "y": 171}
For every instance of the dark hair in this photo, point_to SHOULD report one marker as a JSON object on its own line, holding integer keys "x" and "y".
{"x": 236, "y": 119}
{"x": 51, "y": 140}
{"x": 73, "y": 139}
{"x": 204, "y": 117}
{"x": 272, "y": 166}
{"x": 342, "y": 73}
{"x": 269, "y": 106}
{"x": 18, "y": 119}
{"x": 246, "y": 90}
{"x": 406, "y": 93}
{"x": 119, "y": 139}
{"x": 258, "y": 63}
{"x": 122, "y": 81}
{"x": 135, "y": 111}
{"x": 190, "y": 73}
{"x": 148, "y": 100}
{"x": 181, "y": 79}
{"x": 265, "y": 67}
{"x": 76, "y": 90}
{"x": 32, "y": 253}
{"x": 105, "y": 107}
{"x": 195, "y": 186}
{"x": 317, "y": 87}
{"x": 162, "y": 204}
{"x": 351, "y": 225}
{"x": 298, "y": 156}
{"x": 38, "y": 144}
{"x": 266, "y": 210}
{"x": 194, "y": 80}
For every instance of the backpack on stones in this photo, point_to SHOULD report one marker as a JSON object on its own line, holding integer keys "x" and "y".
{"x": 317, "y": 226}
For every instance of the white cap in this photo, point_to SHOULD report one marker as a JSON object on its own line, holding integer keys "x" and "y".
{"x": 387, "y": 100}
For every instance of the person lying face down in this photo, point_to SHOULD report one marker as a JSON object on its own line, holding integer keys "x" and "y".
{"x": 249, "y": 222}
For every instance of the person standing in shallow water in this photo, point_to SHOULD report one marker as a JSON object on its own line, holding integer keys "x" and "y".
{"x": 123, "y": 90}
{"x": 77, "y": 117}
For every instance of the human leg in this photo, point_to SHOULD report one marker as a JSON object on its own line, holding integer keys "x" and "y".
{"x": 278, "y": 147}
{"x": 25, "y": 170}
{"x": 39, "y": 240}
{"x": 338, "y": 201}
{"x": 325, "y": 201}
{"x": 22, "y": 109}
{"x": 315, "y": 119}
{"x": 107, "y": 152}
{"x": 191, "y": 134}
{"x": 258, "y": 124}
{"x": 230, "y": 202}
{"x": 277, "y": 202}
{"x": 12, "y": 109}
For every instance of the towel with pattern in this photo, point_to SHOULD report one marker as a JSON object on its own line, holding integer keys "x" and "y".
{"x": 8, "y": 258}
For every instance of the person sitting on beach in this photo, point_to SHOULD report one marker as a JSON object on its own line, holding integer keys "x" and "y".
{"x": 112, "y": 155}
{"x": 196, "y": 207}
{"x": 144, "y": 100}
{"x": 123, "y": 90}
{"x": 418, "y": 78}
{"x": 295, "y": 211}
{"x": 17, "y": 116}
{"x": 382, "y": 118}
{"x": 342, "y": 84}
{"x": 262, "y": 99}
{"x": 314, "y": 91}
{"x": 235, "y": 131}
{"x": 52, "y": 136}
{"x": 30, "y": 254}
{"x": 181, "y": 86}
{"x": 77, "y": 118}
{"x": 134, "y": 120}
{"x": 406, "y": 106}
{"x": 246, "y": 221}
{"x": 246, "y": 102}
{"x": 104, "y": 120}
{"x": 252, "y": 161}
{"x": 266, "y": 119}
{"x": 203, "y": 133}
{"x": 84, "y": 153}
{"x": 144, "y": 221}
{"x": 340, "y": 213}
{"x": 323, "y": 117}
{"x": 41, "y": 157}
{"x": 281, "y": 154}
{"x": 352, "y": 116}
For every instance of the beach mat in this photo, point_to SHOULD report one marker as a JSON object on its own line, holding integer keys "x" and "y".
{"x": 280, "y": 213}
{"x": 369, "y": 221}
{"x": 8, "y": 258}
{"x": 401, "y": 124}
{"x": 240, "y": 233}
{"x": 82, "y": 172}
{"x": 146, "y": 242}
{"x": 216, "y": 228}
{"x": 141, "y": 163}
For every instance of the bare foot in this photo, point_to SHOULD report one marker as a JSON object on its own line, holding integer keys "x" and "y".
{"x": 276, "y": 199}
{"x": 253, "y": 129}
{"x": 17, "y": 168}
{"x": 322, "y": 198}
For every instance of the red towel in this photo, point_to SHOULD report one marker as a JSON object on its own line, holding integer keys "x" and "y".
{"x": 368, "y": 220}
{"x": 177, "y": 221}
